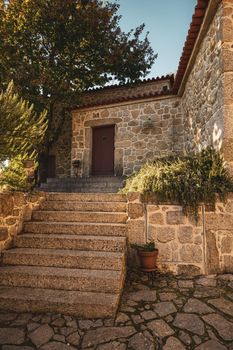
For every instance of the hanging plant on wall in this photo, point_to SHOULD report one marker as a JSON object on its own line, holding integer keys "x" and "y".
{"x": 189, "y": 180}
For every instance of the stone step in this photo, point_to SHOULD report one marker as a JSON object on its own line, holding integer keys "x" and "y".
{"x": 73, "y": 216}
{"x": 84, "y": 206}
{"x": 106, "y": 281}
{"x": 79, "y": 242}
{"x": 76, "y": 228}
{"x": 70, "y": 189}
{"x": 94, "y": 260}
{"x": 95, "y": 185}
{"x": 86, "y": 197}
{"x": 89, "y": 179}
{"x": 79, "y": 304}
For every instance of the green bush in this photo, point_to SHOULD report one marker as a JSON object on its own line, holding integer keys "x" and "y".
{"x": 148, "y": 247}
{"x": 189, "y": 180}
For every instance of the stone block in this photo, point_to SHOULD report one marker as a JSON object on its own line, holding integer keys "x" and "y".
{"x": 6, "y": 204}
{"x": 188, "y": 269}
{"x": 11, "y": 221}
{"x": 185, "y": 234}
{"x": 3, "y": 233}
{"x": 228, "y": 263}
{"x": 136, "y": 231}
{"x": 133, "y": 197}
{"x": 226, "y": 245}
{"x": 218, "y": 221}
{"x": 212, "y": 253}
{"x": 228, "y": 60}
{"x": 165, "y": 252}
{"x": 175, "y": 217}
{"x": 156, "y": 218}
{"x": 19, "y": 199}
{"x": 227, "y": 31}
{"x": 191, "y": 253}
{"x": 135, "y": 210}
{"x": 165, "y": 234}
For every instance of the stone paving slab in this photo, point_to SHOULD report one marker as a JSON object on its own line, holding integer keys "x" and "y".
{"x": 176, "y": 313}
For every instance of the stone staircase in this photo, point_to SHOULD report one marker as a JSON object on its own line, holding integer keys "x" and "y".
{"x": 70, "y": 258}
{"x": 92, "y": 184}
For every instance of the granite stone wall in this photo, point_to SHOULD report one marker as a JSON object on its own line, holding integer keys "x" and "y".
{"x": 15, "y": 208}
{"x": 185, "y": 245}
{"x": 219, "y": 237}
{"x": 227, "y": 60}
{"x": 143, "y": 131}
{"x": 179, "y": 239}
{"x": 202, "y": 101}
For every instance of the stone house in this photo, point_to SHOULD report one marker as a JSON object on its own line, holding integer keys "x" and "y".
{"x": 70, "y": 255}
{"x": 118, "y": 128}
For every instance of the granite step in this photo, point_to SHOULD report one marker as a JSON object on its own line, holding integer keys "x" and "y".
{"x": 107, "y": 281}
{"x": 93, "y": 260}
{"x": 74, "y": 303}
{"x": 76, "y": 228}
{"x": 86, "y": 197}
{"x": 71, "y": 189}
{"x": 82, "y": 184}
{"x": 90, "y": 179}
{"x": 79, "y": 242}
{"x": 84, "y": 206}
{"x": 73, "y": 216}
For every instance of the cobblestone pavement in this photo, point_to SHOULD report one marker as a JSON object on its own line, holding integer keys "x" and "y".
{"x": 174, "y": 314}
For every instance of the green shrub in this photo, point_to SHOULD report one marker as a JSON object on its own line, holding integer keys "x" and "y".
{"x": 189, "y": 180}
{"x": 148, "y": 247}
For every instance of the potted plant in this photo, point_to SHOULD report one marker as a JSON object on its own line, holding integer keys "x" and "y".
{"x": 147, "y": 254}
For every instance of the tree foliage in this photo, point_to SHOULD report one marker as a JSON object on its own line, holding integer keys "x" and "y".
{"x": 21, "y": 130}
{"x": 21, "y": 133}
{"x": 189, "y": 180}
{"x": 55, "y": 49}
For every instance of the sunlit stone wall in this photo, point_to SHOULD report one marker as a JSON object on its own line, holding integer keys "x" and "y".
{"x": 202, "y": 101}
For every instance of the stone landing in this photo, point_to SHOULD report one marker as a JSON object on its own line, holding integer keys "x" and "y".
{"x": 70, "y": 258}
{"x": 92, "y": 184}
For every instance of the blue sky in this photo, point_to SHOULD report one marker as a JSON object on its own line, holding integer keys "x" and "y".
{"x": 168, "y": 23}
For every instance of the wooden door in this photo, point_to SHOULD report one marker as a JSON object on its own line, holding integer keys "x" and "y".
{"x": 103, "y": 150}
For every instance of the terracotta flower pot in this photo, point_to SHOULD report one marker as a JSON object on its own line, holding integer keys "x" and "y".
{"x": 148, "y": 259}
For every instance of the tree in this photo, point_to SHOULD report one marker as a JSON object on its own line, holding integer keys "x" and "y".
{"x": 54, "y": 50}
{"x": 21, "y": 133}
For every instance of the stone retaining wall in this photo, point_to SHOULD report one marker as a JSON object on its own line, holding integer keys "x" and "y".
{"x": 15, "y": 208}
{"x": 185, "y": 246}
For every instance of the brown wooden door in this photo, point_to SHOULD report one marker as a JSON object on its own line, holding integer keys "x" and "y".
{"x": 103, "y": 150}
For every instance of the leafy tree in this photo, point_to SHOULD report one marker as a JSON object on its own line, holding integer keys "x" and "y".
{"x": 55, "y": 49}
{"x": 21, "y": 133}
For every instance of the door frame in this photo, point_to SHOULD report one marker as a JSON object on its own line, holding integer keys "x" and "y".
{"x": 86, "y": 158}
{"x": 100, "y": 127}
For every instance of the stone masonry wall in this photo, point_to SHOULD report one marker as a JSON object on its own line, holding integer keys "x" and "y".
{"x": 15, "y": 208}
{"x": 179, "y": 239}
{"x": 227, "y": 52}
{"x": 185, "y": 246}
{"x": 219, "y": 237}
{"x": 135, "y": 141}
{"x": 202, "y": 101}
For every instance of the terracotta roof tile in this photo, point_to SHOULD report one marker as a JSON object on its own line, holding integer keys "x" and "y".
{"x": 193, "y": 32}
{"x": 146, "y": 88}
